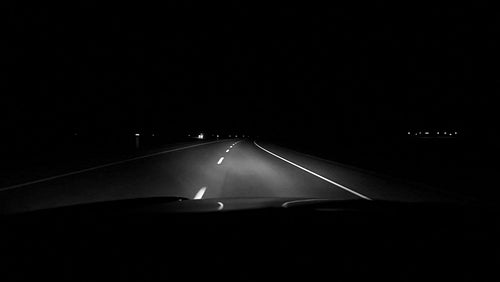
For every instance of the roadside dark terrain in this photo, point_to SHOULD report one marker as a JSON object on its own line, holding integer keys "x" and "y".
{"x": 27, "y": 159}
{"x": 458, "y": 165}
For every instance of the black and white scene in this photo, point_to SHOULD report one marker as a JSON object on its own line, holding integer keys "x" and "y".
{"x": 180, "y": 141}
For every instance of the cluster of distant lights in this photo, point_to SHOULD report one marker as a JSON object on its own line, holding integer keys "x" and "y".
{"x": 199, "y": 136}
{"x": 235, "y": 136}
{"x": 440, "y": 133}
{"x": 202, "y": 136}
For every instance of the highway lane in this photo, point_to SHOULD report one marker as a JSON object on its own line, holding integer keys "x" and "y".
{"x": 228, "y": 168}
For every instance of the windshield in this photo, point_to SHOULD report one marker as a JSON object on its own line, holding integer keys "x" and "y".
{"x": 121, "y": 102}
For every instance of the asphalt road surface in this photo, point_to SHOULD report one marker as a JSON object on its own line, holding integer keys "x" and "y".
{"x": 219, "y": 169}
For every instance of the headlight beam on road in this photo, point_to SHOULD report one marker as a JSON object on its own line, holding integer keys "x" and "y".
{"x": 314, "y": 173}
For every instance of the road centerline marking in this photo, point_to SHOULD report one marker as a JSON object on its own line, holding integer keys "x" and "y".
{"x": 313, "y": 173}
{"x": 200, "y": 193}
{"x": 220, "y": 160}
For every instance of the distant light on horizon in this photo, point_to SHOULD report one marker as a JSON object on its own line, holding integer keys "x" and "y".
{"x": 432, "y": 133}
{"x": 137, "y": 134}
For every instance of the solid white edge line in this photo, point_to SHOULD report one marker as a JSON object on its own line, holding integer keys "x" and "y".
{"x": 315, "y": 174}
{"x": 100, "y": 166}
{"x": 220, "y": 160}
{"x": 200, "y": 193}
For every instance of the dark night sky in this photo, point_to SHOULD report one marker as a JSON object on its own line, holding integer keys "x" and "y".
{"x": 263, "y": 70}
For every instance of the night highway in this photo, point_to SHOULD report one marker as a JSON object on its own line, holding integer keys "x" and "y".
{"x": 183, "y": 141}
{"x": 233, "y": 168}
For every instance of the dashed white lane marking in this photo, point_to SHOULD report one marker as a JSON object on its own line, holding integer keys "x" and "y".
{"x": 220, "y": 160}
{"x": 315, "y": 174}
{"x": 227, "y": 151}
{"x": 101, "y": 166}
{"x": 200, "y": 193}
